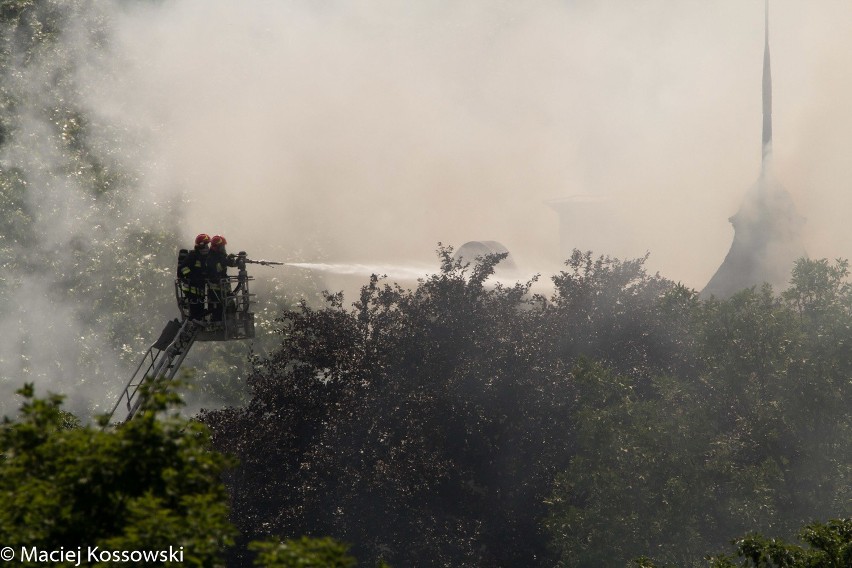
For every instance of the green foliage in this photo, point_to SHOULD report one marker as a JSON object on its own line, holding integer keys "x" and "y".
{"x": 420, "y": 424}
{"x": 426, "y": 425}
{"x": 755, "y": 435}
{"x": 829, "y": 546}
{"x": 429, "y": 425}
{"x": 148, "y": 484}
{"x": 85, "y": 263}
{"x": 222, "y": 368}
{"x": 304, "y": 552}
{"x": 629, "y": 487}
{"x": 610, "y": 310}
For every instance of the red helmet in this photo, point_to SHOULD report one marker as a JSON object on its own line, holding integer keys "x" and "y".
{"x": 202, "y": 239}
{"x": 218, "y": 242}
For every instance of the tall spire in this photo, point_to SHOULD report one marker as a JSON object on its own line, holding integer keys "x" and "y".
{"x": 767, "y": 228}
{"x": 767, "y": 96}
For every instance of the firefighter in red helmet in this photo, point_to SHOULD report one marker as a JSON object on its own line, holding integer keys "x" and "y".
{"x": 218, "y": 287}
{"x": 193, "y": 276}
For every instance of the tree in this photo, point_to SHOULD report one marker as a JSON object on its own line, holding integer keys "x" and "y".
{"x": 632, "y": 486}
{"x": 426, "y": 425}
{"x": 302, "y": 553}
{"x": 420, "y": 425}
{"x": 829, "y": 546}
{"x": 754, "y": 434}
{"x": 86, "y": 258}
{"x": 149, "y": 484}
{"x": 612, "y": 311}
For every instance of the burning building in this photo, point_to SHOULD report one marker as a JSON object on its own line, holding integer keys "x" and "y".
{"x": 472, "y": 251}
{"x": 767, "y": 228}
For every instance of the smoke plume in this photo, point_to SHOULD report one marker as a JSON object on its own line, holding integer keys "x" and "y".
{"x": 367, "y": 132}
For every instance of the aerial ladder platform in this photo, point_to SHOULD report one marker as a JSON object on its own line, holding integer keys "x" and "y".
{"x": 231, "y": 320}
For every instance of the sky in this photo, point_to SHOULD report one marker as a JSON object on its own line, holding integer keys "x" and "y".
{"x": 369, "y": 131}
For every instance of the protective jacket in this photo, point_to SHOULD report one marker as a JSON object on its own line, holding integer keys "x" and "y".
{"x": 193, "y": 272}
{"x": 217, "y": 266}
{"x": 218, "y": 287}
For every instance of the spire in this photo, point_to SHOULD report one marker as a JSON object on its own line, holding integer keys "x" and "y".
{"x": 767, "y": 227}
{"x": 767, "y": 96}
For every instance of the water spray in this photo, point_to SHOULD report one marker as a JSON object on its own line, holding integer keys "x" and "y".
{"x": 402, "y": 272}
{"x": 392, "y": 271}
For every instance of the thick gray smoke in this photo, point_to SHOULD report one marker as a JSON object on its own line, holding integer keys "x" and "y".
{"x": 367, "y": 132}
{"x": 78, "y": 240}
{"x": 373, "y": 130}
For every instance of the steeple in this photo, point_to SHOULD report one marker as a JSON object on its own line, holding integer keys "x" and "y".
{"x": 767, "y": 228}
{"x": 767, "y": 95}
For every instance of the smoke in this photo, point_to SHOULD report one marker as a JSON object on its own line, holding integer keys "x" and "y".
{"x": 76, "y": 239}
{"x": 369, "y": 131}
{"x": 366, "y": 132}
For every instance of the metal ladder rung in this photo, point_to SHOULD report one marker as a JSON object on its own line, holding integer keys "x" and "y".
{"x": 164, "y": 363}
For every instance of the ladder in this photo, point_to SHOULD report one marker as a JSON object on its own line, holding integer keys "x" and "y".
{"x": 163, "y": 360}
{"x": 232, "y": 319}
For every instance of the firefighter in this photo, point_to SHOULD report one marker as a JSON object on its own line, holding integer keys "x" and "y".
{"x": 218, "y": 287}
{"x": 193, "y": 275}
